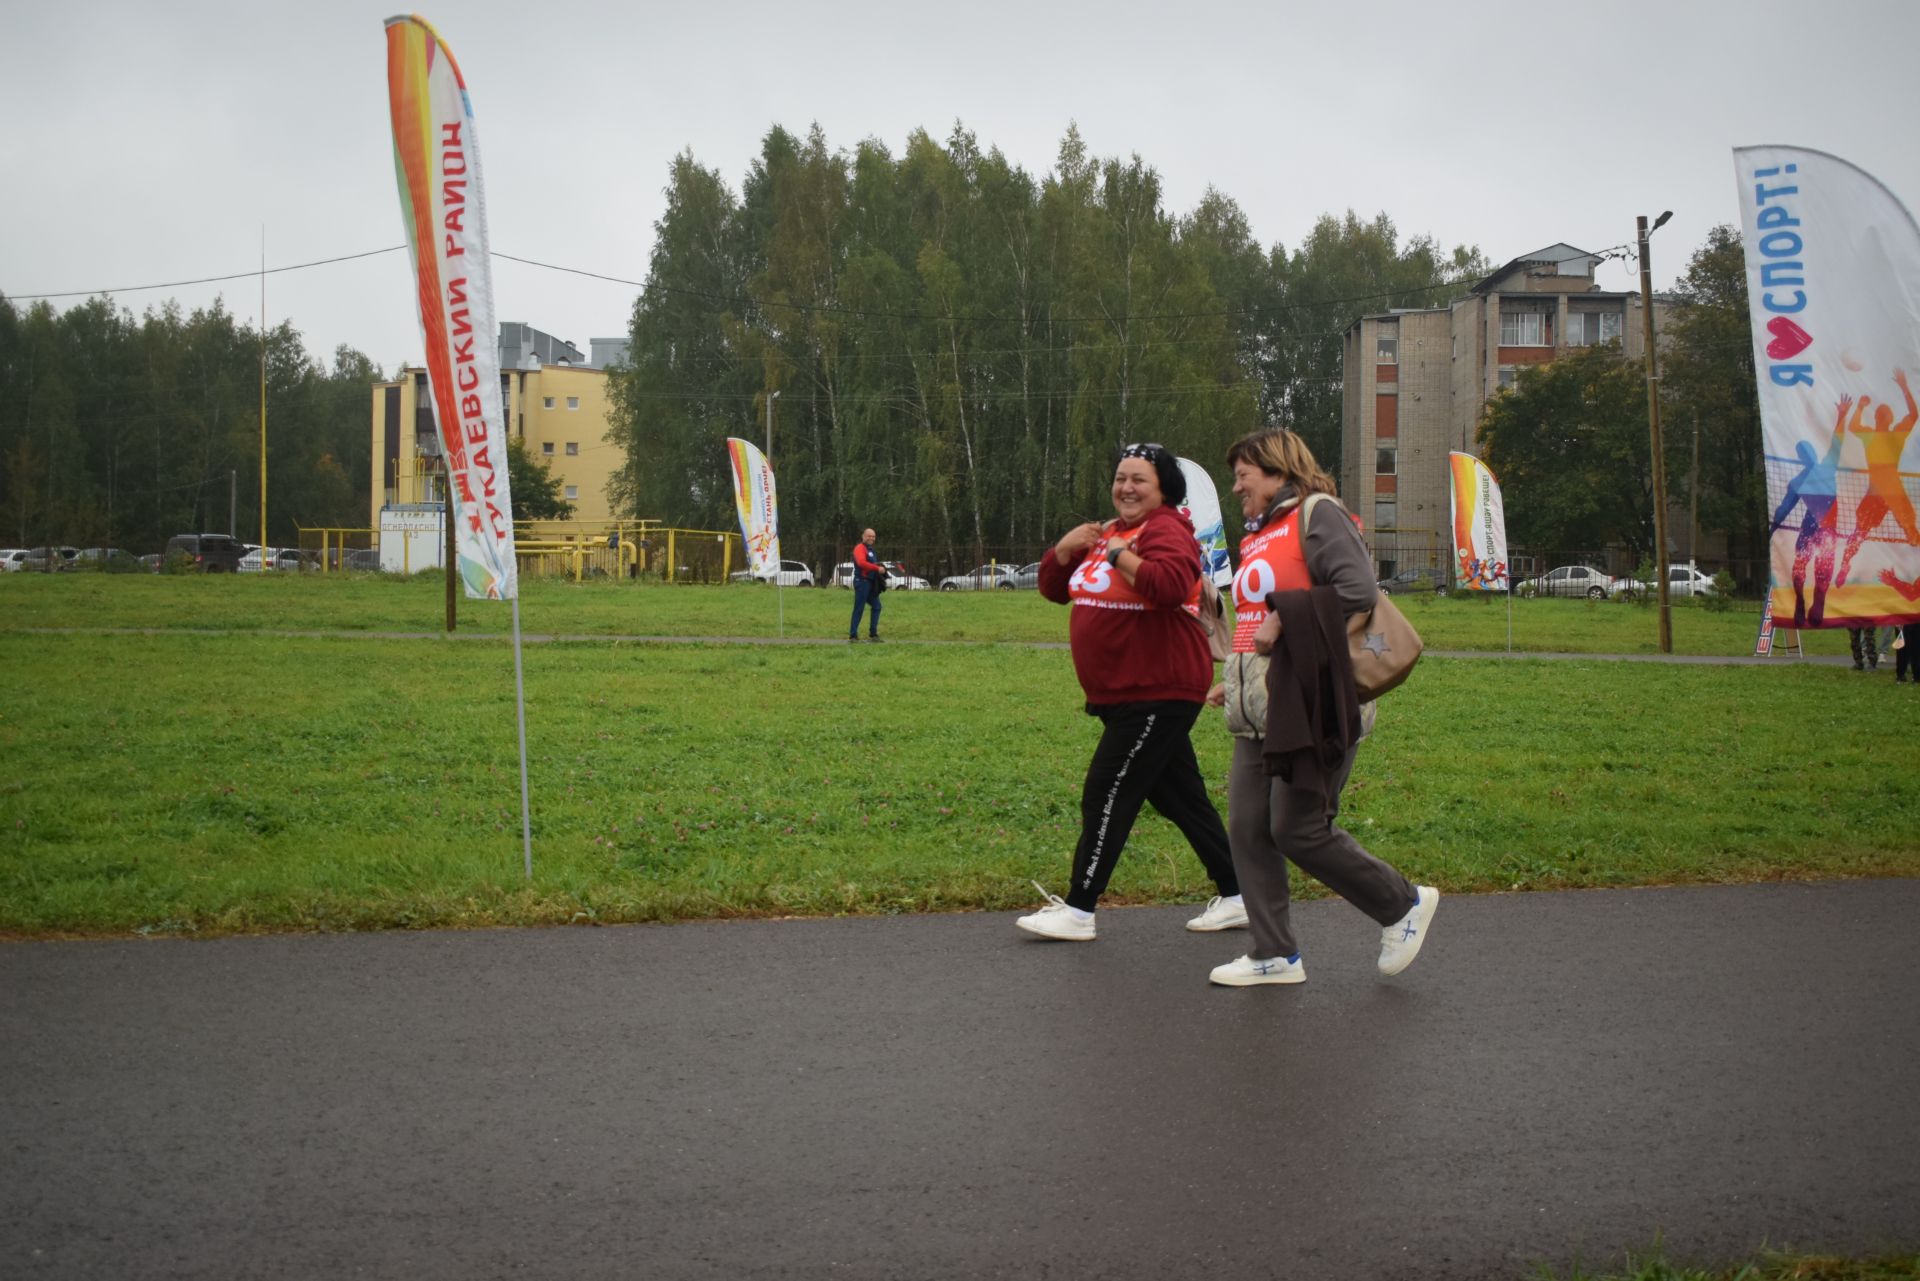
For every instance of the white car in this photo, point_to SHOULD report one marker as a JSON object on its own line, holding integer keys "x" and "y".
{"x": 1568, "y": 580}
{"x": 899, "y": 580}
{"x": 1683, "y": 581}
{"x": 283, "y": 558}
{"x": 983, "y": 578}
{"x": 792, "y": 573}
{"x": 13, "y": 560}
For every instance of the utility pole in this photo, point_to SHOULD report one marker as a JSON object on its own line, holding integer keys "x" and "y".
{"x": 1653, "y": 430}
{"x": 771, "y": 397}
{"x": 264, "y": 558}
{"x": 1693, "y": 496}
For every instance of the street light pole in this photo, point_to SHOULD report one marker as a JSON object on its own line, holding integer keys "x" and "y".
{"x": 1653, "y": 430}
{"x": 771, "y": 397}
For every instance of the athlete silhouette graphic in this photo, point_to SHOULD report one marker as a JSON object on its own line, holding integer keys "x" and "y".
{"x": 1886, "y": 496}
{"x": 1817, "y": 486}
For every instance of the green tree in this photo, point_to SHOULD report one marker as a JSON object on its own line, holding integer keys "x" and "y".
{"x": 1569, "y": 443}
{"x": 536, "y": 490}
{"x": 1708, "y": 381}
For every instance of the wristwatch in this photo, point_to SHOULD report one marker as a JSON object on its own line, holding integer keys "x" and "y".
{"x": 1113, "y": 556}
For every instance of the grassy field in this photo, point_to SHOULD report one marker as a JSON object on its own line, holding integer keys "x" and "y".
{"x": 371, "y": 602}
{"x": 1654, "y": 1266}
{"x": 179, "y": 782}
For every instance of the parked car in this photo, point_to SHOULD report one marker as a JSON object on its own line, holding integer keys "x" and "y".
{"x": 210, "y": 553}
{"x": 842, "y": 575}
{"x": 13, "y": 560}
{"x": 279, "y": 558}
{"x": 1568, "y": 580}
{"x": 363, "y": 558}
{"x": 1682, "y": 581}
{"x": 1027, "y": 577}
{"x": 63, "y": 558}
{"x": 792, "y": 573}
{"x": 983, "y": 578}
{"x": 152, "y": 562}
{"x": 1407, "y": 581}
{"x": 112, "y": 560}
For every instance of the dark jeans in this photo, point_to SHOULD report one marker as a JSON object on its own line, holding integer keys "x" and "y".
{"x": 863, "y": 596}
{"x": 1907, "y": 658}
{"x": 1145, "y": 756}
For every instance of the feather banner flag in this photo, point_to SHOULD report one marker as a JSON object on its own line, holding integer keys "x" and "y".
{"x": 759, "y": 510}
{"x": 1833, "y": 296}
{"x": 1209, "y": 530}
{"x": 436, "y": 157}
{"x": 1479, "y": 526}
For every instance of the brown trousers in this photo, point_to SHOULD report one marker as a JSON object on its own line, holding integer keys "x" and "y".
{"x": 1270, "y": 823}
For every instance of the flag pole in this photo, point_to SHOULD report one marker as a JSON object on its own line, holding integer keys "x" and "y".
{"x": 520, "y": 706}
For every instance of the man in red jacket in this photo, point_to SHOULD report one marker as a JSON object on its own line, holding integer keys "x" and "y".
{"x": 869, "y": 580}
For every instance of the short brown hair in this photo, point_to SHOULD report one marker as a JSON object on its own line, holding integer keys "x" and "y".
{"x": 1279, "y": 452}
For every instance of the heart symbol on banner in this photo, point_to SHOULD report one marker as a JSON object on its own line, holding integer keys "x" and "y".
{"x": 1789, "y": 340}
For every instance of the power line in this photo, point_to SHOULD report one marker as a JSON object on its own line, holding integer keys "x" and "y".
{"x": 211, "y": 280}
{"x": 808, "y": 308}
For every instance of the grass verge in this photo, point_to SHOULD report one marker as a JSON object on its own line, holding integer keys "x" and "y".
{"x": 182, "y": 783}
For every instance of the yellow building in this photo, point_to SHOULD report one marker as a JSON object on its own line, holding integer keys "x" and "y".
{"x": 556, "y": 404}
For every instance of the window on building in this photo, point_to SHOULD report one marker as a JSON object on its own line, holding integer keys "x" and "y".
{"x": 1386, "y": 350}
{"x": 573, "y": 447}
{"x": 1590, "y": 328}
{"x": 1385, "y": 513}
{"x": 1384, "y": 462}
{"x": 573, "y": 492}
{"x": 573, "y": 402}
{"x": 1508, "y": 377}
{"x": 1523, "y": 329}
{"x": 546, "y": 402}
{"x": 546, "y": 447}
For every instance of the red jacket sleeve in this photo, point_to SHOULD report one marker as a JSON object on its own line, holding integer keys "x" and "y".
{"x": 863, "y": 560}
{"x": 1054, "y": 578}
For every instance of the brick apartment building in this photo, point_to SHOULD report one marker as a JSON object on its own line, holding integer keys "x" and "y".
{"x": 1416, "y": 381}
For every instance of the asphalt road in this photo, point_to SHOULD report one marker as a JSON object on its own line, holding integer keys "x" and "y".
{"x": 1559, "y": 1076}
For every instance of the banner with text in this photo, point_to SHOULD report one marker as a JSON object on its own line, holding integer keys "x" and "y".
{"x": 1833, "y": 291}
{"x": 759, "y": 509}
{"x": 1479, "y": 526}
{"x": 436, "y": 158}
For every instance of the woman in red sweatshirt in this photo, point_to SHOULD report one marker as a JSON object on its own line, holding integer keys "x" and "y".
{"x": 1146, "y": 671}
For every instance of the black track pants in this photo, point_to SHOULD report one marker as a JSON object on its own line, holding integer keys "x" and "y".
{"x": 1145, "y": 756}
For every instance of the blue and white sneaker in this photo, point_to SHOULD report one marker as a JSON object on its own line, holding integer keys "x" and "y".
{"x": 1401, "y": 941}
{"x": 1247, "y": 972}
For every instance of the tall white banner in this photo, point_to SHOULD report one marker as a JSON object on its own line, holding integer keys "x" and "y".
{"x": 757, "y": 506}
{"x": 1203, "y": 509}
{"x": 1833, "y": 289}
{"x": 436, "y": 157}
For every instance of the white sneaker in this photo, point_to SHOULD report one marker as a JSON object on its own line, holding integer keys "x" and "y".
{"x": 1221, "y": 914}
{"x": 1400, "y": 942}
{"x": 1246, "y": 972}
{"x": 1056, "y": 920}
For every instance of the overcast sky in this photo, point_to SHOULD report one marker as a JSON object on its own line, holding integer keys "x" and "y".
{"x": 152, "y": 142}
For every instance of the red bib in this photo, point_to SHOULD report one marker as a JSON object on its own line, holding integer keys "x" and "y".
{"x": 1272, "y": 560}
{"x": 1098, "y": 585}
